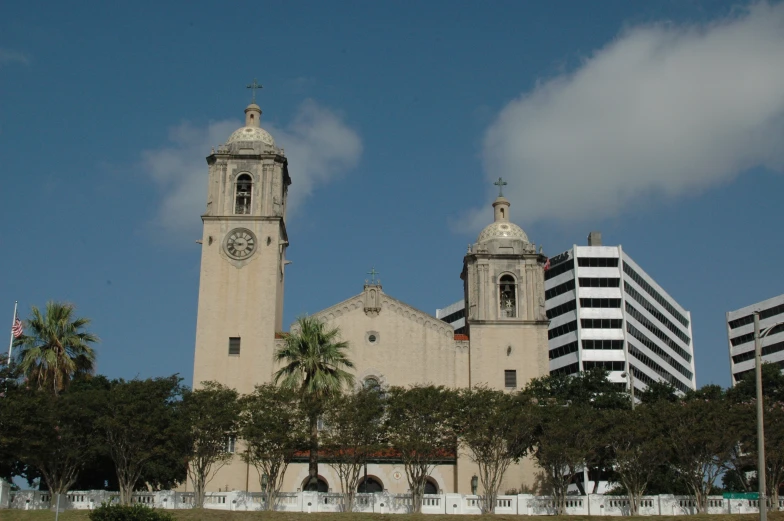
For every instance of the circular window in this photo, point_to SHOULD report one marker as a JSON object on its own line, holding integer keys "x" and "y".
{"x": 372, "y": 339}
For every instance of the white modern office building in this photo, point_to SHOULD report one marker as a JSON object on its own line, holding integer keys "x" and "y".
{"x": 606, "y": 311}
{"x": 455, "y": 315}
{"x": 740, "y": 332}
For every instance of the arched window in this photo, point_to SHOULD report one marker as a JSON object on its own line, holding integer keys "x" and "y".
{"x": 431, "y": 487}
{"x": 508, "y": 296}
{"x": 321, "y": 486}
{"x": 242, "y": 194}
{"x": 371, "y": 383}
{"x": 370, "y": 486}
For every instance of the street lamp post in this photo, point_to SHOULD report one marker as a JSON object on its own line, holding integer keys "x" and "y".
{"x": 630, "y": 374}
{"x": 763, "y": 502}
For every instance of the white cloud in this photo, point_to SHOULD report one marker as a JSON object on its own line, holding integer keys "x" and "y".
{"x": 318, "y": 143}
{"x": 662, "y": 111}
{"x": 319, "y": 146}
{"x": 10, "y": 56}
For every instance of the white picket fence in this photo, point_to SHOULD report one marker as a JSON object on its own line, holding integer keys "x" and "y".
{"x": 384, "y": 503}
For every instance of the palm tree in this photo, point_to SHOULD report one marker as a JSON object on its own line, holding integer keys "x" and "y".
{"x": 315, "y": 362}
{"x": 56, "y": 348}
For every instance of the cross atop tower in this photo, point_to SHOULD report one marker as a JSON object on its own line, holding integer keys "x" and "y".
{"x": 373, "y": 274}
{"x": 500, "y": 184}
{"x": 255, "y": 85}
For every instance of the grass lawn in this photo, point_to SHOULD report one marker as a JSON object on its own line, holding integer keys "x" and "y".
{"x": 217, "y": 515}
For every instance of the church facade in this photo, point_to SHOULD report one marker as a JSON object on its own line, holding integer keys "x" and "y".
{"x": 240, "y": 311}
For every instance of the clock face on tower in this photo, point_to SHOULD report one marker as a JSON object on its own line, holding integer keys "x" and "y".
{"x": 240, "y": 243}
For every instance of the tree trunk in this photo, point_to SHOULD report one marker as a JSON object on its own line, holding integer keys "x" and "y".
{"x": 313, "y": 456}
{"x": 126, "y": 489}
{"x": 198, "y": 495}
{"x": 417, "y": 495}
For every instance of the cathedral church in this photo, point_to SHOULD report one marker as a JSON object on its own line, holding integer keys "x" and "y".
{"x": 240, "y": 311}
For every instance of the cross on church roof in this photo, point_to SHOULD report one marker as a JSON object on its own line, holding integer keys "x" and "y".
{"x": 500, "y": 184}
{"x": 373, "y": 274}
{"x": 255, "y": 85}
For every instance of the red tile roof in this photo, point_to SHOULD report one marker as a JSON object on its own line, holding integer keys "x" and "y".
{"x": 461, "y": 337}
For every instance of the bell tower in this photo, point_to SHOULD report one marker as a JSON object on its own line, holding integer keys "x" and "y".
{"x": 503, "y": 281}
{"x": 243, "y": 258}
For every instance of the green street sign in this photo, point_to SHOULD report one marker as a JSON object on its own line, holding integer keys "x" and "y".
{"x": 741, "y": 495}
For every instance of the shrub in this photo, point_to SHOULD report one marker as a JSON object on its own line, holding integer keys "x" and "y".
{"x": 128, "y": 513}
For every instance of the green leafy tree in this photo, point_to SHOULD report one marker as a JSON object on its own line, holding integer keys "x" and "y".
{"x": 636, "y": 443}
{"x": 138, "y": 422}
{"x": 699, "y": 443}
{"x": 59, "y": 436}
{"x": 658, "y": 392}
{"x": 495, "y": 429}
{"x": 55, "y": 347}
{"x": 745, "y": 390}
{"x": 562, "y": 445}
{"x": 273, "y": 430}
{"x": 774, "y": 450}
{"x": 586, "y": 390}
{"x": 353, "y": 433}
{"x": 208, "y": 419}
{"x": 589, "y": 389}
{"x": 420, "y": 424}
{"x": 741, "y": 462}
{"x": 11, "y": 423}
{"x": 314, "y": 364}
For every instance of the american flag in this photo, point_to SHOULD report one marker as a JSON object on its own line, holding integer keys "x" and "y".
{"x": 18, "y": 328}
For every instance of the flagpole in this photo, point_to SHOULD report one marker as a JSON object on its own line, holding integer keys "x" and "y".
{"x": 11, "y": 343}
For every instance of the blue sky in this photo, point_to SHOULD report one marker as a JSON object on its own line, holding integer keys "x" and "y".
{"x": 658, "y": 123}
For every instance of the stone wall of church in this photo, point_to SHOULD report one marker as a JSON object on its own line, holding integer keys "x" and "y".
{"x": 500, "y": 347}
{"x": 237, "y": 299}
{"x": 238, "y": 475}
{"x": 397, "y": 344}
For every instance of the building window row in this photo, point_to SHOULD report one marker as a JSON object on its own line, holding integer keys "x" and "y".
{"x": 642, "y": 357}
{"x": 595, "y": 282}
{"x": 457, "y": 315}
{"x": 600, "y": 302}
{"x": 566, "y": 349}
{"x": 559, "y": 310}
{"x": 766, "y": 350}
{"x": 598, "y": 262}
{"x": 601, "y": 323}
{"x": 567, "y": 369}
{"x": 650, "y": 326}
{"x": 655, "y": 294}
{"x": 562, "y": 329}
{"x": 655, "y": 312}
{"x": 640, "y": 337}
{"x": 642, "y": 377}
{"x": 749, "y": 319}
{"x": 559, "y": 289}
{"x": 602, "y": 344}
{"x": 559, "y": 269}
{"x": 607, "y": 365}
{"x": 748, "y": 337}
{"x": 742, "y": 339}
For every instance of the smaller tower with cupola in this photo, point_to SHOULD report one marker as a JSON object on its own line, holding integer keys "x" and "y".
{"x": 243, "y": 258}
{"x": 503, "y": 280}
